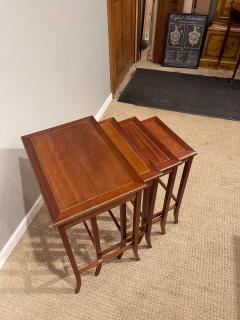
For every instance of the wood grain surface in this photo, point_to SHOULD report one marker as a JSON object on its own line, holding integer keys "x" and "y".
{"x": 79, "y": 169}
{"x": 162, "y": 133}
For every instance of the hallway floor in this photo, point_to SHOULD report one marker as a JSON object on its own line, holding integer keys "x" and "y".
{"x": 143, "y": 63}
{"x": 193, "y": 272}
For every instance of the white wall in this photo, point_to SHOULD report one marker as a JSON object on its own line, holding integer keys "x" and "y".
{"x": 202, "y": 6}
{"x": 53, "y": 68}
{"x": 187, "y": 6}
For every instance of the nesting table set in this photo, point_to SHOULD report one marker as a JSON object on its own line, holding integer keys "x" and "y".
{"x": 85, "y": 168}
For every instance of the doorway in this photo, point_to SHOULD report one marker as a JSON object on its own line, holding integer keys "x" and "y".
{"x": 156, "y": 13}
{"x": 137, "y": 29}
{"x": 154, "y": 27}
{"x": 124, "y": 21}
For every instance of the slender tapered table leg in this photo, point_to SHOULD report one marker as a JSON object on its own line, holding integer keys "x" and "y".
{"x": 224, "y": 42}
{"x": 123, "y": 224}
{"x": 167, "y": 199}
{"x": 136, "y": 220}
{"x": 152, "y": 201}
{"x": 71, "y": 257}
{"x": 182, "y": 186}
{"x": 235, "y": 70}
{"x": 97, "y": 243}
{"x": 145, "y": 210}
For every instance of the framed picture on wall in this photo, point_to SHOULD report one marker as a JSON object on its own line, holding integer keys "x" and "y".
{"x": 185, "y": 36}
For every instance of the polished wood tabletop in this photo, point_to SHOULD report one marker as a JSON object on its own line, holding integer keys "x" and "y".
{"x": 146, "y": 170}
{"x": 79, "y": 169}
{"x": 160, "y": 132}
{"x": 151, "y": 152}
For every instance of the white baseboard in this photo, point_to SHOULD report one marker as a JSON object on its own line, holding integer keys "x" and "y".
{"x": 25, "y": 223}
{"x": 104, "y": 107}
{"x": 18, "y": 233}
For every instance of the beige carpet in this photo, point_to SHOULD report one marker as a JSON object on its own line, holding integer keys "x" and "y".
{"x": 193, "y": 272}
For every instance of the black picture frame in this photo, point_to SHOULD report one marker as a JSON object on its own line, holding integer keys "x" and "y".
{"x": 184, "y": 40}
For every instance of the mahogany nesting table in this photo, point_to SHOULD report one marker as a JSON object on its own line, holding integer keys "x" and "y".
{"x": 159, "y": 132}
{"x": 146, "y": 170}
{"x": 82, "y": 174}
{"x": 152, "y": 152}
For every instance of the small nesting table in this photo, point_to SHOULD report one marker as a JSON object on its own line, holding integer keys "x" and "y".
{"x": 152, "y": 152}
{"x": 82, "y": 174}
{"x": 159, "y": 132}
{"x": 146, "y": 170}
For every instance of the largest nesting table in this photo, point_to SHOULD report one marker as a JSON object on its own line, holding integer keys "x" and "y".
{"x": 82, "y": 174}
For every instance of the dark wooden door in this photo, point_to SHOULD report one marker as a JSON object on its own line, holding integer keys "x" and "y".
{"x": 122, "y": 17}
{"x": 164, "y": 8}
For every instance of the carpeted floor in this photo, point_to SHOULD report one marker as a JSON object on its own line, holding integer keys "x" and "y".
{"x": 192, "y": 273}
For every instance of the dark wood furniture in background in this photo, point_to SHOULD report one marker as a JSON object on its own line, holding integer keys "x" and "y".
{"x": 159, "y": 132}
{"x": 215, "y": 38}
{"x": 234, "y": 18}
{"x": 156, "y": 154}
{"x": 82, "y": 174}
{"x": 164, "y": 8}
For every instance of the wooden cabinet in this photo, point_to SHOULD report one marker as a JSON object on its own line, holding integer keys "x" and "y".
{"x": 223, "y": 10}
{"x": 215, "y": 37}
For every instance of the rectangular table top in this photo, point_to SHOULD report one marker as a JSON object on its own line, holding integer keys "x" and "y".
{"x": 79, "y": 169}
{"x": 160, "y": 132}
{"x": 115, "y": 133}
{"x": 151, "y": 152}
